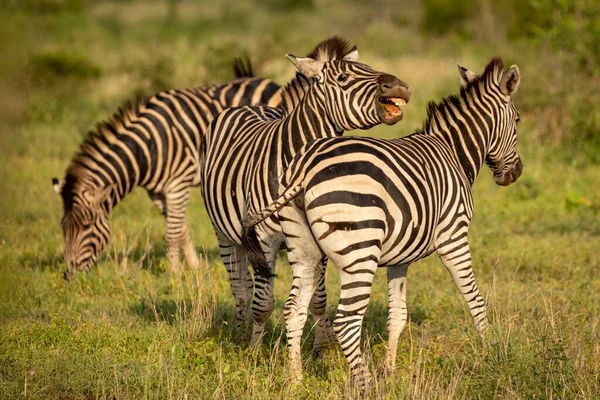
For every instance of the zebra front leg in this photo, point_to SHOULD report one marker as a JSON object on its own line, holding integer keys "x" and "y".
{"x": 324, "y": 334}
{"x": 397, "y": 312}
{"x": 160, "y": 202}
{"x": 177, "y": 234}
{"x": 457, "y": 259}
{"x": 356, "y": 278}
{"x": 240, "y": 280}
{"x": 189, "y": 249}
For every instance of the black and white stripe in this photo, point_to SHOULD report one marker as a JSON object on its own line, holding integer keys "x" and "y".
{"x": 367, "y": 202}
{"x": 248, "y": 148}
{"x": 156, "y": 145}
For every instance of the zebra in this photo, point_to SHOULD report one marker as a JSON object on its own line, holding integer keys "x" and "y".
{"x": 367, "y": 203}
{"x": 247, "y": 149}
{"x": 154, "y": 145}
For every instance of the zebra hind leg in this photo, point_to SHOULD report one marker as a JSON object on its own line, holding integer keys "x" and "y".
{"x": 324, "y": 334}
{"x": 356, "y": 278}
{"x": 308, "y": 287}
{"x": 240, "y": 280}
{"x": 304, "y": 282}
{"x": 397, "y": 312}
{"x": 262, "y": 302}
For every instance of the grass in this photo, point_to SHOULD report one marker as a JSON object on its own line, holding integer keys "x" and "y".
{"x": 130, "y": 329}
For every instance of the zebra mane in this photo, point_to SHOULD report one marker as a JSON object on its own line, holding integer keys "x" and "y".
{"x": 333, "y": 48}
{"x": 436, "y": 111}
{"x": 102, "y": 135}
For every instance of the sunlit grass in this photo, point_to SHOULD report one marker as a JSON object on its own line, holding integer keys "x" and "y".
{"x": 132, "y": 329}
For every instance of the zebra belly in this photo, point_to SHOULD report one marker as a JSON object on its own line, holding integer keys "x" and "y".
{"x": 414, "y": 233}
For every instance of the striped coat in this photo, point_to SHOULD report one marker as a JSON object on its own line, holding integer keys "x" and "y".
{"x": 154, "y": 144}
{"x": 368, "y": 203}
{"x": 248, "y": 148}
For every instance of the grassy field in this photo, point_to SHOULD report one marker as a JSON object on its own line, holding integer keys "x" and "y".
{"x": 130, "y": 329}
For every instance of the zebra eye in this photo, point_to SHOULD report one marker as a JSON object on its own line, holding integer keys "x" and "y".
{"x": 342, "y": 77}
{"x": 518, "y": 120}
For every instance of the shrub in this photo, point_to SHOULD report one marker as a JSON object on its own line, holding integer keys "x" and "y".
{"x": 62, "y": 64}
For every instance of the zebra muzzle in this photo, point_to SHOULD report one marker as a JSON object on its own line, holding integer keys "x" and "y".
{"x": 392, "y": 96}
{"x": 389, "y": 109}
{"x": 510, "y": 176}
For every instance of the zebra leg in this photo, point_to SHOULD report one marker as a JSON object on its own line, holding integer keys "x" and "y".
{"x": 262, "y": 303}
{"x": 308, "y": 270}
{"x": 304, "y": 281}
{"x": 240, "y": 280}
{"x": 177, "y": 235}
{"x": 397, "y": 312}
{"x": 356, "y": 278}
{"x": 324, "y": 334}
{"x": 457, "y": 259}
{"x": 160, "y": 202}
{"x": 189, "y": 249}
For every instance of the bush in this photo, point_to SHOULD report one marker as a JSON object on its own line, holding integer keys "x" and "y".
{"x": 444, "y": 16}
{"x": 62, "y": 64}
{"x": 565, "y": 25}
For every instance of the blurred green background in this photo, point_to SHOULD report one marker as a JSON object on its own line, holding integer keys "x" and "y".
{"x": 130, "y": 329}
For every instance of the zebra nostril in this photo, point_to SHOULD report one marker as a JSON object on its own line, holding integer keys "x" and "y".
{"x": 388, "y": 81}
{"x": 390, "y": 86}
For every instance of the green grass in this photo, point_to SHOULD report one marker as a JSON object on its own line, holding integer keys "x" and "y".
{"x": 130, "y": 329}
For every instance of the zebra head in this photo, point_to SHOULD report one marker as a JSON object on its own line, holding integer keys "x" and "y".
{"x": 85, "y": 224}
{"x": 498, "y": 86}
{"x": 356, "y": 96}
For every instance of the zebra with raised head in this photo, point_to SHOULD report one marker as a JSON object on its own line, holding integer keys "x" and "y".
{"x": 155, "y": 145}
{"x": 248, "y": 148}
{"x": 368, "y": 203}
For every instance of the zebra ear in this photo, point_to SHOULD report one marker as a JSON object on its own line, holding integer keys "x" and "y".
{"x": 57, "y": 185}
{"x": 510, "y": 80}
{"x": 352, "y": 55}
{"x": 307, "y": 66}
{"x": 466, "y": 76}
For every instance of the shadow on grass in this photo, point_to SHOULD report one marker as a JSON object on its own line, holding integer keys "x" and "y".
{"x": 223, "y": 329}
{"x": 151, "y": 258}
{"x": 172, "y": 312}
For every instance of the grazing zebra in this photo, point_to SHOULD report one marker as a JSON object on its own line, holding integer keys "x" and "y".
{"x": 367, "y": 202}
{"x": 247, "y": 149}
{"x": 155, "y": 145}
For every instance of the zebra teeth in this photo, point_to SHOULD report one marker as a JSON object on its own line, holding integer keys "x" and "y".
{"x": 396, "y": 101}
{"x": 399, "y": 102}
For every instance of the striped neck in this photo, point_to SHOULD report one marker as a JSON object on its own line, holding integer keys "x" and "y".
{"x": 80, "y": 178}
{"x": 294, "y": 92}
{"x": 309, "y": 120}
{"x": 464, "y": 122}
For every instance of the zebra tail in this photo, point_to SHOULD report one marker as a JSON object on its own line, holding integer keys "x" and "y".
{"x": 242, "y": 67}
{"x": 249, "y": 239}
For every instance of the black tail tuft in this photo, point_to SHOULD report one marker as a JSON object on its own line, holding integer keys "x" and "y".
{"x": 255, "y": 254}
{"x": 242, "y": 67}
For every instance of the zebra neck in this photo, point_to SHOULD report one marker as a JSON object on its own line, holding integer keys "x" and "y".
{"x": 84, "y": 179}
{"x": 308, "y": 121}
{"x": 466, "y": 130}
